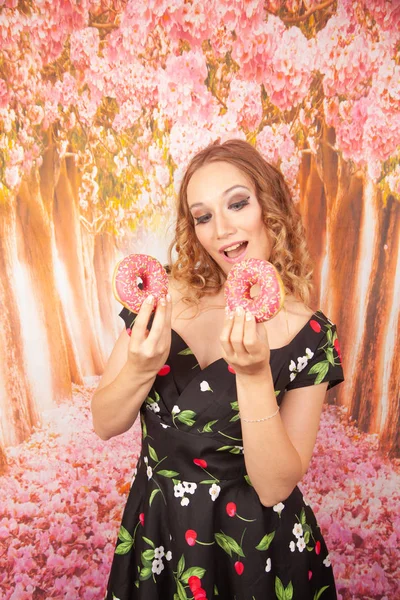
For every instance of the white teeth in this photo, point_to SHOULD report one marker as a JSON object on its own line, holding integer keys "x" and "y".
{"x": 233, "y": 247}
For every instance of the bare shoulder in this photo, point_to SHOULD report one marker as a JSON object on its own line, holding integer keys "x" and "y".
{"x": 177, "y": 289}
{"x": 297, "y": 312}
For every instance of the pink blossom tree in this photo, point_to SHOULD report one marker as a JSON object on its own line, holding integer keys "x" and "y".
{"x": 102, "y": 104}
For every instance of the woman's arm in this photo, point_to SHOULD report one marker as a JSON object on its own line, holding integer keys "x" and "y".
{"x": 131, "y": 370}
{"x": 277, "y": 451}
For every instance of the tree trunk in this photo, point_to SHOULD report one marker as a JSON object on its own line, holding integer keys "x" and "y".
{"x": 71, "y": 253}
{"x": 17, "y": 403}
{"x": 356, "y": 274}
{"x": 49, "y": 174}
{"x": 313, "y": 204}
{"x": 36, "y": 240}
{"x": 376, "y": 376}
{"x": 105, "y": 259}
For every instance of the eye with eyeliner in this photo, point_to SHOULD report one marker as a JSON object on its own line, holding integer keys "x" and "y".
{"x": 235, "y": 206}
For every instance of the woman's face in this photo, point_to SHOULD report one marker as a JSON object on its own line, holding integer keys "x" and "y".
{"x": 227, "y": 215}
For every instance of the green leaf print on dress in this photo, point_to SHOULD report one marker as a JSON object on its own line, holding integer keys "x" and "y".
{"x": 127, "y": 540}
{"x": 281, "y": 592}
{"x": 228, "y": 544}
{"x": 266, "y": 541}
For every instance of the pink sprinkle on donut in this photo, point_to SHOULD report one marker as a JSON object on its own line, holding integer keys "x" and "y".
{"x": 243, "y": 276}
{"x": 135, "y": 269}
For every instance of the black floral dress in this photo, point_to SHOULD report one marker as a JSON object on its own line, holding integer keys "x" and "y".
{"x": 193, "y": 526}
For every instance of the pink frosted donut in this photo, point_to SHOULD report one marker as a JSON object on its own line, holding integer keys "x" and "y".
{"x": 241, "y": 279}
{"x": 125, "y": 280}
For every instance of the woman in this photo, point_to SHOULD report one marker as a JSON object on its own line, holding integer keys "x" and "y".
{"x": 229, "y": 408}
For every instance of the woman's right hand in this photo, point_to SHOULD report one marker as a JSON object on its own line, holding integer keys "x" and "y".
{"x": 148, "y": 350}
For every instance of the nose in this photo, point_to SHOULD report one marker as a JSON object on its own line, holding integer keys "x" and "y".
{"x": 223, "y": 226}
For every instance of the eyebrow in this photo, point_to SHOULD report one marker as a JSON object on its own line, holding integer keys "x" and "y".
{"x": 225, "y": 193}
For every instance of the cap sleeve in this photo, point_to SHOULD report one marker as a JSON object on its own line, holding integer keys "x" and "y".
{"x": 320, "y": 361}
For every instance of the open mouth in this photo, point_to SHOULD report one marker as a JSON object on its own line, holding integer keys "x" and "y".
{"x": 236, "y": 250}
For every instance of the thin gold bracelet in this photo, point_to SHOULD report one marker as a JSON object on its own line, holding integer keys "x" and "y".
{"x": 259, "y": 420}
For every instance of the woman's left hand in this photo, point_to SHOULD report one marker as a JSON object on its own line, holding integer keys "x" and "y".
{"x": 245, "y": 344}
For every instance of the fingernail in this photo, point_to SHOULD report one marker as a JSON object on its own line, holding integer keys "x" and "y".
{"x": 249, "y": 316}
{"x": 150, "y": 299}
{"x": 239, "y": 311}
{"x": 168, "y": 297}
{"x": 163, "y": 302}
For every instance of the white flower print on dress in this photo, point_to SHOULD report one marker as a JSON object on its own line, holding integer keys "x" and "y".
{"x": 298, "y": 530}
{"x": 278, "y": 507}
{"x": 146, "y": 460}
{"x": 292, "y": 546}
{"x": 179, "y": 490}
{"x": 189, "y": 487}
{"x": 153, "y": 407}
{"x": 175, "y": 410}
{"x": 268, "y": 565}
{"x": 159, "y": 552}
{"x": 214, "y": 491}
{"x": 301, "y": 544}
{"x": 301, "y": 363}
{"x": 327, "y": 561}
{"x": 157, "y": 566}
{"x": 205, "y": 387}
{"x": 164, "y": 425}
{"x": 168, "y": 556}
{"x": 149, "y": 472}
{"x": 185, "y": 501}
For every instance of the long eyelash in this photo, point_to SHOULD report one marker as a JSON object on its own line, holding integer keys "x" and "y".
{"x": 198, "y": 220}
{"x": 243, "y": 202}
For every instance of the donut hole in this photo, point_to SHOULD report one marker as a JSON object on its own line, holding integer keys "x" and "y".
{"x": 255, "y": 290}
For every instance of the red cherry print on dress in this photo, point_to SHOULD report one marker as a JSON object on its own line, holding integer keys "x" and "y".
{"x": 200, "y": 594}
{"x": 337, "y": 348}
{"x": 129, "y": 331}
{"x": 231, "y": 509}
{"x": 164, "y": 370}
{"x": 239, "y": 567}
{"x": 194, "y": 583}
{"x": 141, "y": 518}
{"x": 231, "y": 370}
{"x": 315, "y": 326}
{"x": 190, "y": 537}
{"x": 309, "y": 575}
{"x": 318, "y": 547}
{"x": 200, "y": 463}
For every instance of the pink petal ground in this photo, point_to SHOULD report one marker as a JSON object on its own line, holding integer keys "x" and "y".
{"x": 62, "y": 500}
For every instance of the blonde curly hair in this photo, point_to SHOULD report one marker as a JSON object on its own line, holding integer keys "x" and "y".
{"x": 195, "y": 267}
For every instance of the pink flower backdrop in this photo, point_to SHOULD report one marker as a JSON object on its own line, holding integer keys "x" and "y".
{"x": 102, "y": 104}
